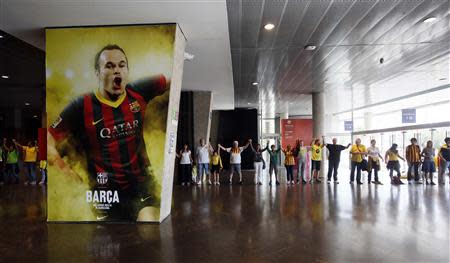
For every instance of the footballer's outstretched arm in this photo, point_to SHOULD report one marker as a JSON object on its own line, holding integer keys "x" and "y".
{"x": 54, "y": 158}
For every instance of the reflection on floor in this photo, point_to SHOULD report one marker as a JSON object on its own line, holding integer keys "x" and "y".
{"x": 311, "y": 223}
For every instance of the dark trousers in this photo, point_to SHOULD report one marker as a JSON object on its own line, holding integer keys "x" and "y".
{"x": 391, "y": 172}
{"x": 333, "y": 166}
{"x": 414, "y": 166}
{"x": 186, "y": 173}
{"x": 370, "y": 174}
{"x": 355, "y": 166}
{"x": 290, "y": 172}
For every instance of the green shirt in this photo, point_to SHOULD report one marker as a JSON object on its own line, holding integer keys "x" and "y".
{"x": 12, "y": 157}
{"x": 274, "y": 155}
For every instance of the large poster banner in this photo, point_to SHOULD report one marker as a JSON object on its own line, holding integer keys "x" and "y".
{"x": 109, "y": 91}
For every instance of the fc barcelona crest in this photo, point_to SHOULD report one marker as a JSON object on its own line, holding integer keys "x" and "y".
{"x": 135, "y": 107}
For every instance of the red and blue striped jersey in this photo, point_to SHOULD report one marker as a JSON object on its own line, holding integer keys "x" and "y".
{"x": 110, "y": 133}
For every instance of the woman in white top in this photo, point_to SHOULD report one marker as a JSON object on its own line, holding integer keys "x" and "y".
{"x": 374, "y": 161}
{"x": 185, "y": 165}
{"x": 235, "y": 158}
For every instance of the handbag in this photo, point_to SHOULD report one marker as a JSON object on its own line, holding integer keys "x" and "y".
{"x": 364, "y": 164}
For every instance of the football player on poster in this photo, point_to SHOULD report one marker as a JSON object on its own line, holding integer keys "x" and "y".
{"x": 106, "y": 125}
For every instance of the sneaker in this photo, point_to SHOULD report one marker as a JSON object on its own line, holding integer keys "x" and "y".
{"x": 182, "y": 184}
{"x": 310, "y": 181}
{"x": 33, "y": 183}
{"x": 199, "y": 183}
{"x": 427, "y": 183}
{"x": 351, "y": 182}
{"x": 359, "y": 183}
{"x": 400, "y": 182}
{"x": 328, "y": 181}
{"x": 336, "y": 182}
{"x": 278, "y": 183}
{"x": 26, "y": 183}
{"x": 304, "y": 182}
{"x": 378, "y": 182}
{"x": 241, "y": 183}
{"x": 209, "y": 182}
{"x": 432, "y": 183}
{"x": 368, "y": 182}
{"x": 231, "y": 182}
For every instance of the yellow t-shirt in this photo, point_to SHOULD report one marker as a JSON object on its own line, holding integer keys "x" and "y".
{"x": 43, "y": 164}
{"x": 392, "y": 156}
{"x": 316, "y": 152}
{"x": 30, "y": 154}
{"x": 357, "y": 149}
{"x": 289, "y": 158}
{"x": 216, "y": 160}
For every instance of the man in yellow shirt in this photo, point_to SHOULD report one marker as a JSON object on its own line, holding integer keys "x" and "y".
{"x": 316, "y": 159}
{"x": 358, "y": 151}
{"x": 30, "y": 158}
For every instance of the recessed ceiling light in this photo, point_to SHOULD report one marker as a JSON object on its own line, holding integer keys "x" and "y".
{"x": 248, "y": 103}
{"x": 255, "y": 83}
{"x": 430, "y": 19}
{"x": 269, "y": 26}
{"x": 1, "y": 36}
{"x": 5, "y": 77}
{"x": 35, "y": 116}
{"x": 310, "y": 47}
{"x": 27, "y": 104}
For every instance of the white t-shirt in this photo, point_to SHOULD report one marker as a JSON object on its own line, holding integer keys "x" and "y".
{"x": 373, "y": 152}
{"x": 203, "y": 154}
{"x": 235, "y": 158}
{"x": 185, "y": 157}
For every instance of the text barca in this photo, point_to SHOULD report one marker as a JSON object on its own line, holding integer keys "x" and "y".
{"x": 102, "y": 196}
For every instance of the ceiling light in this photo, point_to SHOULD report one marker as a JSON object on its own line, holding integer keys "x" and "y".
{"x": 269, "y": 26}
{"x": 310, "y": 47}
{"x": 27, "y": 104}
{"x": 35, "y": 116}
{"x": 5, "y": 77}
{"x": 430, "y": 19}
{"x": 1, "y": 36}
{"x": 255, "y": 83}
{"x": 248, "y": 103}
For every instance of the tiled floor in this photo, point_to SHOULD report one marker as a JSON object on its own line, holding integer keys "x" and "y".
{"x": 311, "y": 223}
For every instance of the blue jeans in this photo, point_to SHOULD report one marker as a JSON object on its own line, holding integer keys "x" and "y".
{"x": 202, "y": 167}
{"x": 12, "y": 173}
{"x": 30, "y": 167}
{"x": 44, "y": 176}
{"x": 443, "y": 167}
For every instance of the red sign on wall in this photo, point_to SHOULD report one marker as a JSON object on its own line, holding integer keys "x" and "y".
{"x": 293, "y": 129}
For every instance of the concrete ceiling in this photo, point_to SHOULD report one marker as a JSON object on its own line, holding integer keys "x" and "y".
{"x": 351, "y": 38}
{"x": 203, "y": 22}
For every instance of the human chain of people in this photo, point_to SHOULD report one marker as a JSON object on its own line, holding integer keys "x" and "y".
{"x": 206, "y": 163}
